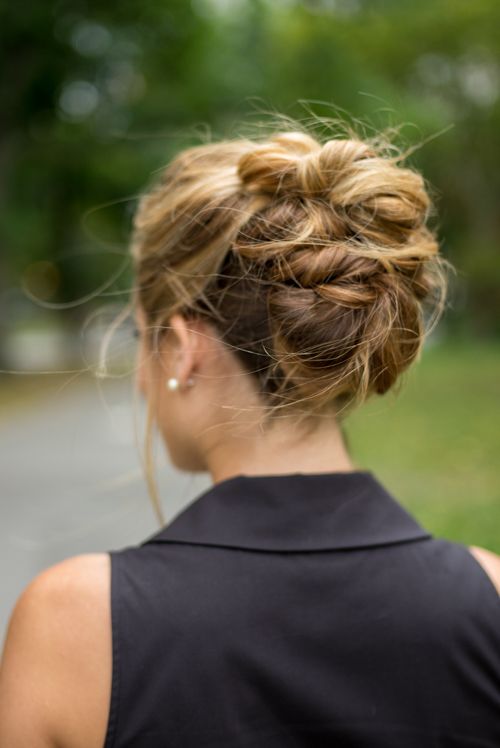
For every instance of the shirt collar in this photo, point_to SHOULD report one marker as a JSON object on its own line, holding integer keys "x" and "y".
{"x": 294, "y": 512}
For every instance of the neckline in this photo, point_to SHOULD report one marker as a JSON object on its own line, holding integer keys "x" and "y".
{"x": 334, "y": 475}
{"x": 293, "y": 512}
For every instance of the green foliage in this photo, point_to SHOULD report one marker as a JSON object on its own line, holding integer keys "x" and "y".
{"x": 96, "y": 97}
{"x": 440, "y": 441}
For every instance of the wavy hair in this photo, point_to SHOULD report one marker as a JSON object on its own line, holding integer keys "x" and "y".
{"x": 311, "y": 257}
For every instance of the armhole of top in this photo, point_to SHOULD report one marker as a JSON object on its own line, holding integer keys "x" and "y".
{"x": 486, "y": 577}
{"x": 112, "y": 723}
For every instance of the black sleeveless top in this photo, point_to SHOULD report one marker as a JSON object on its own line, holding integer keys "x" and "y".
{"x": 302, "y": 610}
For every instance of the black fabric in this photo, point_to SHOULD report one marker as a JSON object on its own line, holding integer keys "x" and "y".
{"x": 302, "y": 610}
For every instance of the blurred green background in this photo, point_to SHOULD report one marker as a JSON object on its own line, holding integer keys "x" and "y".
{"x": 97, "y": 97}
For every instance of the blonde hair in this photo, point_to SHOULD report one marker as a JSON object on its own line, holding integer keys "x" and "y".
{"x": 312, "y": 258}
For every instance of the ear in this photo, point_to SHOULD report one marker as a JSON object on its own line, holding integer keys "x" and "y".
{"x": 184, "y": 349}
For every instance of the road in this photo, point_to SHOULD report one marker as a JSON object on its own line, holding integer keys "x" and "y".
{"x": 71, "y": 480}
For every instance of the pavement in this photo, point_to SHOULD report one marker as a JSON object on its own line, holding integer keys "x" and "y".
{"x": 71, "y": 479}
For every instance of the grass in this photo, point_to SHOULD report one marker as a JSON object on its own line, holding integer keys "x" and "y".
{"x": 21, "y": 391}
{"x": 436, "y": 444}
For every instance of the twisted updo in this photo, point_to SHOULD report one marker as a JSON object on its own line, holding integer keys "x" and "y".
{"x": 313, "y": 261}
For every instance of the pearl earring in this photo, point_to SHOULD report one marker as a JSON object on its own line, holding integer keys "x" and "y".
{"x": 173, "y": 383}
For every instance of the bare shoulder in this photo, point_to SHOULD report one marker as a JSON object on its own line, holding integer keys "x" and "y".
{"x": 489, "y": 561}
{"x": 57, "y": 659}
{"x": 87, "y": 574}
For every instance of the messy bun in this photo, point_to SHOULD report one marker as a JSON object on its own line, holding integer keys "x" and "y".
{"x": 313, "y": 259}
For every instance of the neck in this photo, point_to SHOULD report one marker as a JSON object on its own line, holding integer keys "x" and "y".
{"x": 280, "y": 449}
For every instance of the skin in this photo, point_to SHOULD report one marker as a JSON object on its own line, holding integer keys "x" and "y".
{"x": 55, "y": 675}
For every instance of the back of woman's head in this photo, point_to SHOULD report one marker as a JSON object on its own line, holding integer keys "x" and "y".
{"x": 311, "y": 258}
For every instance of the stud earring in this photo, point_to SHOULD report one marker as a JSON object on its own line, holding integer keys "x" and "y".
{"x": 173, "y": 383}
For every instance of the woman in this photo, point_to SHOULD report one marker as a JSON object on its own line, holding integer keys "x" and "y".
{"x": 280, "y": 283}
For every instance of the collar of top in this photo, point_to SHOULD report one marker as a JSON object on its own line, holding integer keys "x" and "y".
{"x": 294, "y": 512}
